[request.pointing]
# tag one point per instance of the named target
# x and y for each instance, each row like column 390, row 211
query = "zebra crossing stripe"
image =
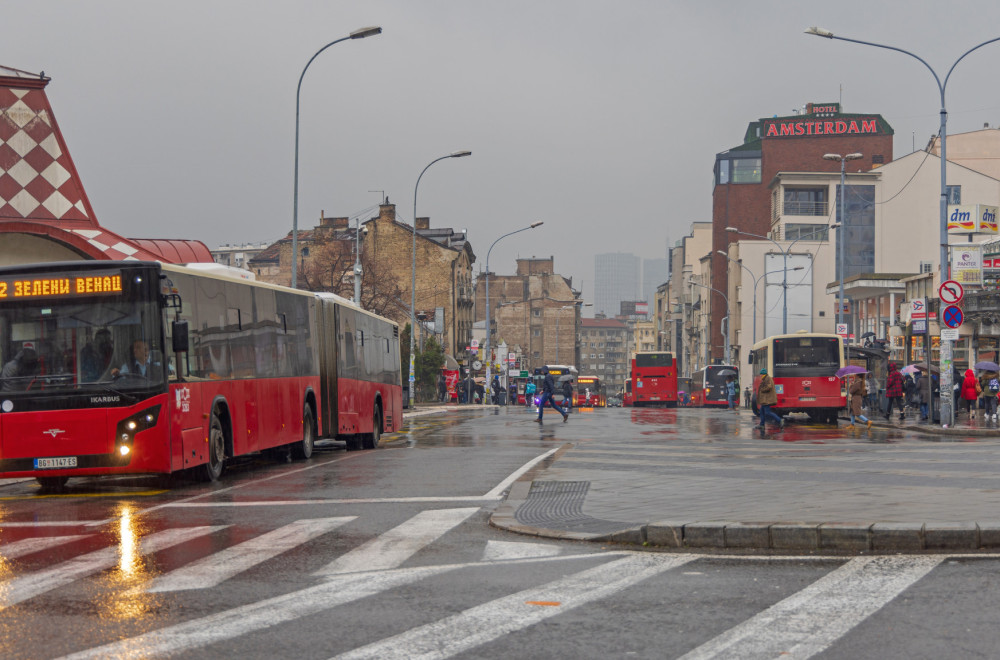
column 39, row 582
column 221, row 566
column 808, row 622
column 490, row 621
column 29, row 546
column 392, row 548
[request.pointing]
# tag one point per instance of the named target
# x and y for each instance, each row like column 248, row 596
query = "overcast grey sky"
column 600, row 118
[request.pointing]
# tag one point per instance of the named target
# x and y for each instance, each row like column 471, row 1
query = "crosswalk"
column 800, row 625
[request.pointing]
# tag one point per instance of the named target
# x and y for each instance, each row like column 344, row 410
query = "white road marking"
column 809, row 621
column 505, row 484
column 54, row 523
column 374, row 500
column 501, row 550
column 490, row 621
column 255, row 617
column 392, row 548
column 221, row 566
column 39, row 582
column 36, row 544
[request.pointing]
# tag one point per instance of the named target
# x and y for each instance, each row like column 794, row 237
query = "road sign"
column 952, row 316
column 919, row 327
column 951, row 292
column 841, row 329
column 474, row 343
column 949, row 334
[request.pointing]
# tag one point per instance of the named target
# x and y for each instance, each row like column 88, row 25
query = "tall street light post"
column 784, row 255
column 357, row 34
column 947, row 409
column 357, row 260
column 843, row 226
column 489, row 329
column 756, row 280
column 726, row 298
column 413, row 279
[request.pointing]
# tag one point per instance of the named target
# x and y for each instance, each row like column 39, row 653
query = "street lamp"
column 489, row 330
column 413, row 279
column 357, row 34
column 843, row 225
column 756, row 280
column 726, row 319
column 784, row 255
column 579, row 304
column 947, row 411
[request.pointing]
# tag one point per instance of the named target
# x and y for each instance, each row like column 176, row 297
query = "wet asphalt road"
column 388, row 553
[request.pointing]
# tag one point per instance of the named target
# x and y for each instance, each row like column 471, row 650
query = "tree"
column 428, row 366
column 331, row 268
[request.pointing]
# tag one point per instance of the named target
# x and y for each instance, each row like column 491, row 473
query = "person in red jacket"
column 970, row 392
column 893, row 391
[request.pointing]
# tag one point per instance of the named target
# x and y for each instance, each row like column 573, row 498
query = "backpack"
column 994, row 385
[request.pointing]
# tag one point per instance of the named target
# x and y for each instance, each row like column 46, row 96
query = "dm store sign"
column 972, row 219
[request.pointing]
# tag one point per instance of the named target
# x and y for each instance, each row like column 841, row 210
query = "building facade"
column 603, row 352
column 617, row 277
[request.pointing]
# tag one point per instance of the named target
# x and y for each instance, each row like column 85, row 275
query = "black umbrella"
column 725, row 372
column 868, row 334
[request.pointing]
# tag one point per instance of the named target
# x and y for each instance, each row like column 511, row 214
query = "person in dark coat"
column 767, row 396
column 567, row 392
column 893, row 391
column 548, row 387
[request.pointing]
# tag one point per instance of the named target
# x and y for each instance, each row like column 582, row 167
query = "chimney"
column 341, row 223
column 423, row 223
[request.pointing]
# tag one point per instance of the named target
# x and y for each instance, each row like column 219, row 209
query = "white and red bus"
column 149, row 368
column 654, row 379
column 590, row 392
column 804, row 368
column 708, row 385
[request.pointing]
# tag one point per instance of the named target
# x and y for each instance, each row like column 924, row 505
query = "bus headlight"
column 129, row 427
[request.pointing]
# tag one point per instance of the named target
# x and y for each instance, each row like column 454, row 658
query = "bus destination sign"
column 70, row 286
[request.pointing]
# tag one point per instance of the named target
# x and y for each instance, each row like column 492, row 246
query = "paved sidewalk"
column 709, row 481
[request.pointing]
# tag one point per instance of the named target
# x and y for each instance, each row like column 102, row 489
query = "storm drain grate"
column 559, row 505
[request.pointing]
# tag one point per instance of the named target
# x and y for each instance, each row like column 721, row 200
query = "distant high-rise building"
column 654, row 273
column 616, row 278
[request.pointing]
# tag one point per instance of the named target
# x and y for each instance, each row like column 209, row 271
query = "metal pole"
column 840, row 239
column 357, row 34
column 357, row 262
column 947, row 395
column 413, row 264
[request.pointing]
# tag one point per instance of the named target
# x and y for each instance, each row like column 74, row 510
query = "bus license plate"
column 807, row 398
column 51, row 463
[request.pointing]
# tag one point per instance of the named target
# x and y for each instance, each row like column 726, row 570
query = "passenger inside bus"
column 95, row 359
column 19, row 373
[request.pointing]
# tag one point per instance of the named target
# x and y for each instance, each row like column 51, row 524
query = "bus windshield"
column 52, row 346
column 806, row 356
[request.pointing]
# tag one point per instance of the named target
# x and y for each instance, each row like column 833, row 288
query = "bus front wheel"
column 212, row 469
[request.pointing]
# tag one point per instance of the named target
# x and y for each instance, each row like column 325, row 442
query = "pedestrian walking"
column 923, row 395
column 767, row 396
column 529, row 393
column 732, row 392
column 857, row 391
column 970, row 392
column 548, row 387
column 442, row 388
column 893, row 392
column 989, row 384
column 746, row 397
column 871, row 392
column 567, row 392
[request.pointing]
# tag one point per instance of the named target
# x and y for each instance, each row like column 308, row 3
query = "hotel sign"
column 799, row 127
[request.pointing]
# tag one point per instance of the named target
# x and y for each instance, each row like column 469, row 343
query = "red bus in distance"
column 150, row 368
column 590, row 392
column 654, row 379
column 708, row 385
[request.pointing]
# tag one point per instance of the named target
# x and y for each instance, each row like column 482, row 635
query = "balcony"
column 803, row 207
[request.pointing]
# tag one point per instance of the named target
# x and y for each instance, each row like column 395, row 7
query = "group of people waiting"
column 980, row 392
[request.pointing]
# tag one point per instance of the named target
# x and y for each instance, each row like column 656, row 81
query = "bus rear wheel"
column 372, row 440
column 304, row 448
column 212, row 469
column 52, row 484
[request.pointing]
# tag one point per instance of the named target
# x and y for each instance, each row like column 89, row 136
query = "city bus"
column 151, row 368
column 560, row 373
column 708, row 385
column 804, row 368
column 590, row 392
column 654, row 379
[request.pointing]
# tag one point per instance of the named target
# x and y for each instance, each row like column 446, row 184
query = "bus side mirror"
column 179, row 330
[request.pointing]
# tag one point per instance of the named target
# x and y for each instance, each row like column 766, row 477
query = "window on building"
column 954, row 194
column 859, row 230
column 794, row 231
column 536, row 355
column 305, row 251
column 536, row 332
column 746, row 170
column 723, row 175
column 805, row 201
column 601, row 356
column 926, row 266
column 536, row 313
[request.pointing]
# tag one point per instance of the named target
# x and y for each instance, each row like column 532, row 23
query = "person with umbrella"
column 857, row 392
column 989, row 387
column 732, row 390
column 767, row 396
column 894, row 391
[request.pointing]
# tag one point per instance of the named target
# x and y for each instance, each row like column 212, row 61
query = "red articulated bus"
column 590, row 392
column 148, row 368
column 708, row 385
column 804, row 368
column 654, row 379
